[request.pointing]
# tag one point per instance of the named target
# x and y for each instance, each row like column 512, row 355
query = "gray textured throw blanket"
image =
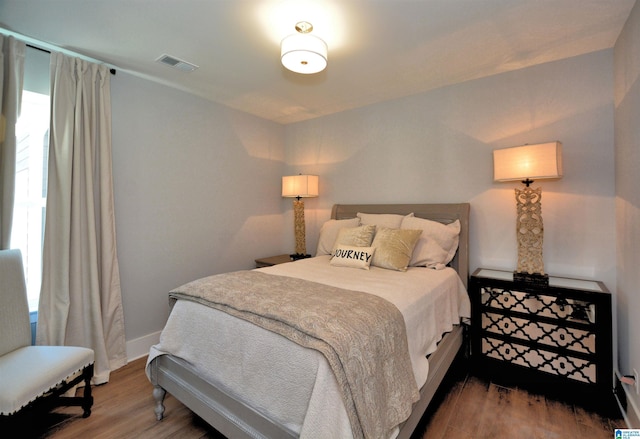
column 362, row 336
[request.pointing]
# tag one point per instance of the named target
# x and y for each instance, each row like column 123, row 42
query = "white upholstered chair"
column 34, row 375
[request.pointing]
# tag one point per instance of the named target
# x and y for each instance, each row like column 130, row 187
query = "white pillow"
column 388, row 220
column 437, row 244
column 329, row 233
column 354, row 257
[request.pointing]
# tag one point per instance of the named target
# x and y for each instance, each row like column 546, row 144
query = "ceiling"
column 378, row 49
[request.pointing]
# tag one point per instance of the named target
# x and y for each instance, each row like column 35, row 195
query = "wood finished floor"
column 469, row 408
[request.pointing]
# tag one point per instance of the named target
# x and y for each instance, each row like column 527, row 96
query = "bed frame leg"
column 159, row 394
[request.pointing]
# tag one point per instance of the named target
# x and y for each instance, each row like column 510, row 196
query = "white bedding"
column 261, row 368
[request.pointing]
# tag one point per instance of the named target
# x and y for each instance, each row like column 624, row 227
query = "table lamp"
column 528, row 163
column 298, row 187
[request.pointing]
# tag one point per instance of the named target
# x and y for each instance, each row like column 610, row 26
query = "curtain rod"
column 41, row 49
column 46, row 47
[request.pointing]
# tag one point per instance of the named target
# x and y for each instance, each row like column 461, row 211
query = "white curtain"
column 11, row 81
column 80, row 299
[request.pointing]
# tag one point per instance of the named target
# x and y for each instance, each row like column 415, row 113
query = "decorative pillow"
column 438, row 243
column 394, row 247
column 389, row 220
column 360, row 236
column 354, row 257
column 329, row 233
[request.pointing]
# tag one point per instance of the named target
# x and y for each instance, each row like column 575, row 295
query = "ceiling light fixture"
column 302, row 52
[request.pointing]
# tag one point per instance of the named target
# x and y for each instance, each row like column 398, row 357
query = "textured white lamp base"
column 299, row 230
column 530, row 233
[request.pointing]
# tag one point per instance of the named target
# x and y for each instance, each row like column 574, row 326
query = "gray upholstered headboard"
column 444, row 213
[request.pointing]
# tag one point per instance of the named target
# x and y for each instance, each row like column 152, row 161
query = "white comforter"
column 294, row 386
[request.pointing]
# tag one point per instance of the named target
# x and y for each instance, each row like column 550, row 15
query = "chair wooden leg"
column 87, row 401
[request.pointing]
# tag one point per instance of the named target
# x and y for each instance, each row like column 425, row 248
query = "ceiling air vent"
column 176, row 63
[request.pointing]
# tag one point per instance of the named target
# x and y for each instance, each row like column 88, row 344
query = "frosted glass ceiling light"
column 302, row 52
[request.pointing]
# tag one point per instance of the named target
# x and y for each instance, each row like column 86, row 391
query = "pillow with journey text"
column 354, row 257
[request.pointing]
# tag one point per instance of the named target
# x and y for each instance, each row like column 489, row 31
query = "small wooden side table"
column 272, row 260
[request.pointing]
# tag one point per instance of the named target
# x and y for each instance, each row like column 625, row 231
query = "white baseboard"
column 625, row 399
column 139, row 347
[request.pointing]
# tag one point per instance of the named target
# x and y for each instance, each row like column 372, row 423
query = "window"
column 32, row 132
column 27, row 232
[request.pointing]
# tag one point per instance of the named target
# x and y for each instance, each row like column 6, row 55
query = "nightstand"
column 555, row 339
column 272, row 260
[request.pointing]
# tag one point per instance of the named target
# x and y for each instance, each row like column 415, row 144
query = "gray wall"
column 436, row 147
column 627, row 160
column 197, row 192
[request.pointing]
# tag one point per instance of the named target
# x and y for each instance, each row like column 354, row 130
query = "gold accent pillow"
column 394, row 248
column 360, row 236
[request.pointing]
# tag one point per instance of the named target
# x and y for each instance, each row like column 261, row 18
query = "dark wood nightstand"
column 272, row 260
column 554, row 339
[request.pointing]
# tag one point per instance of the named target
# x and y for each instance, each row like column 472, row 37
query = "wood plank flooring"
column 468, row 408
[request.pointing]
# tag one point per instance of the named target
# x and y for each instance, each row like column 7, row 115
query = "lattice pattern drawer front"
column 545, row 333
column 556, row 364
column 539, row 304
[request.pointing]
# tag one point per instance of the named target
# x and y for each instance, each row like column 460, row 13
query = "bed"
column 250, row 382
